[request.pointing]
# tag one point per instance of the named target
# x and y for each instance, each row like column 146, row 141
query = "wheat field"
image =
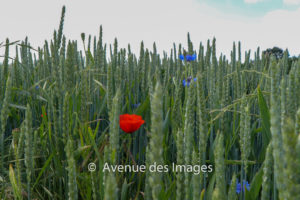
column 61, row 107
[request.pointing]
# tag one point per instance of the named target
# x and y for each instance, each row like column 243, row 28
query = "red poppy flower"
column 43, row 115
column 130, row 123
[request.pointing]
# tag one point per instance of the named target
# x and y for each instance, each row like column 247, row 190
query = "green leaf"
column 166, row 122
column 18, row 106
column 264, row 114
column 210, row 189
column 202, row 194
column 12, row 43
column 92, row 141
column 90, row 56
column 100, row 84
column 43, row 169
column 255, row 185
column 170, row 190
column 144, row 107
column 265, row 117
column 124, row 190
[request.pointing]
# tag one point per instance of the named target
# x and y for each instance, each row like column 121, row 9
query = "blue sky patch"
column 240, row 7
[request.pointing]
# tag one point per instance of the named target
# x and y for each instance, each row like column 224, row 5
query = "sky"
column 263, row 23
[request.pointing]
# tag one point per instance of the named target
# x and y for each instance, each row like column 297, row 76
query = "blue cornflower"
column 239, row 186
column 188, row 58
column 37, row 87
column 187, row 82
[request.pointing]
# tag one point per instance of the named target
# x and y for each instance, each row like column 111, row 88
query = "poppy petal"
column 130, row 123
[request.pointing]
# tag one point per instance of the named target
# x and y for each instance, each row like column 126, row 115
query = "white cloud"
column 291, row 2
column 163, row 22
column 252, row 1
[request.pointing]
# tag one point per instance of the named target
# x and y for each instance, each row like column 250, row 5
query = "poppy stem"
column 128, row 150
